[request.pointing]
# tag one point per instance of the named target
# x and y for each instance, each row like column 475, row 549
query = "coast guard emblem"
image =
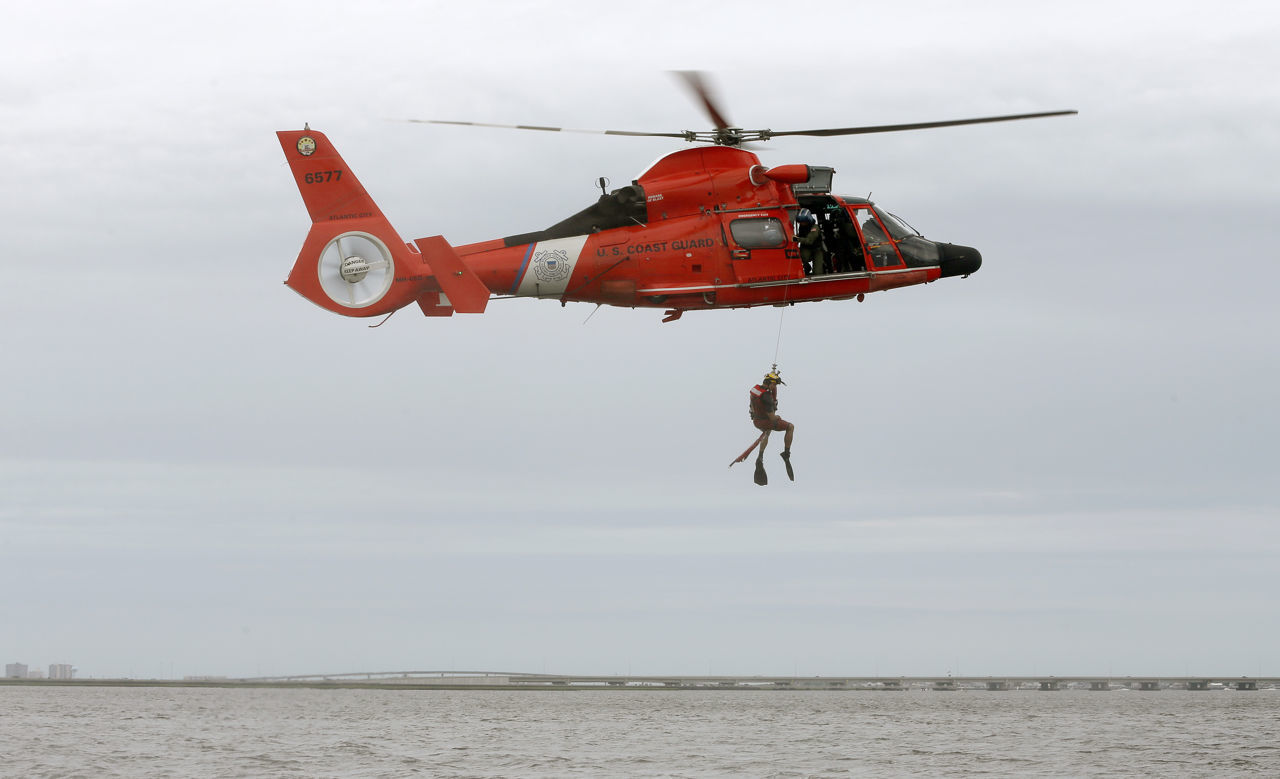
column 306, row 146
column 551, row 266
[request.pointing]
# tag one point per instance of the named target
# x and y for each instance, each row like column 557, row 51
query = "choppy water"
column 151, row 732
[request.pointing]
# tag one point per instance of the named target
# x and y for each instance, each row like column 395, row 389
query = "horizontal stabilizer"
column 466, row 292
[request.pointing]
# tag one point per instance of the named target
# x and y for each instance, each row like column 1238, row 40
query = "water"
column 216, row 732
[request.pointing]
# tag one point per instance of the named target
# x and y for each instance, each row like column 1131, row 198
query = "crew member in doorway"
column 764, row 415
column 812, row 253
column 848, row 248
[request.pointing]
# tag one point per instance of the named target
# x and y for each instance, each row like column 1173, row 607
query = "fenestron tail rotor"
column 356, row 269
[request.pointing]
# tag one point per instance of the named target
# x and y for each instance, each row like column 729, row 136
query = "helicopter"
column 703, row 228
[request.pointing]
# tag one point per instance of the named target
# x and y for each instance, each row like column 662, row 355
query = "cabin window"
column 758, row 233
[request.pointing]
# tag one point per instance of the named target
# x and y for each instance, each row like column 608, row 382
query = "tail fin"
column 353, row 262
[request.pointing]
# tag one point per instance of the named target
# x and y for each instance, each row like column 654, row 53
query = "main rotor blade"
column 549, row 129
column 696, row 84
column 893, row 128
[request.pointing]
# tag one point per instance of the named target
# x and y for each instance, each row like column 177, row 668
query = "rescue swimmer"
column 764, row 415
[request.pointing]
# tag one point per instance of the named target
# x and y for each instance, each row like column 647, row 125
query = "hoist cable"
column 778, row 346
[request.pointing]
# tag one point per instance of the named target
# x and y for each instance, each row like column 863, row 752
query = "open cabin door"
column 850, row 238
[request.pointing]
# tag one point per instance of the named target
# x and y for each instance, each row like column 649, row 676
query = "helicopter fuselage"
column 703, row 228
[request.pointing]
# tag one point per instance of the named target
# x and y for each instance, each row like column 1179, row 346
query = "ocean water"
column 219, row 732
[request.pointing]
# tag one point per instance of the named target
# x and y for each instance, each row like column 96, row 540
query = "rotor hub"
column 354, row 269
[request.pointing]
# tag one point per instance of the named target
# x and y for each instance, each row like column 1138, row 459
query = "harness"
column 764, row 401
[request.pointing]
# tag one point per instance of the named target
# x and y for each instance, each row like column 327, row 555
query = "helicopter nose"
column 959, row 260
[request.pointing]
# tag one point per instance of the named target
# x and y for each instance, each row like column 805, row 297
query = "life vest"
column 764, row 401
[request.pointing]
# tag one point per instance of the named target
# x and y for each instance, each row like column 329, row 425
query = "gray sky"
column 1064, row 464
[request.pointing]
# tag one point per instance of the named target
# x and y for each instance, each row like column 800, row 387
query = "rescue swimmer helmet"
column 773, row 376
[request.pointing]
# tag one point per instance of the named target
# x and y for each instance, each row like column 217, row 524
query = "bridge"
column 516, row 680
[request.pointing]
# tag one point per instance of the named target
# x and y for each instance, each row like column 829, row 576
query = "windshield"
column 896, row 227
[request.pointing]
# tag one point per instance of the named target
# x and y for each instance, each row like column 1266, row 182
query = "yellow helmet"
column 773, row 376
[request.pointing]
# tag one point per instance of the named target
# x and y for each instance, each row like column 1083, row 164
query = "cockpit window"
column 879, row 246
column 896, row 227
column 758, row 233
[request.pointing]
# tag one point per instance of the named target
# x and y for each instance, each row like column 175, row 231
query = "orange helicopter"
column 704, row 228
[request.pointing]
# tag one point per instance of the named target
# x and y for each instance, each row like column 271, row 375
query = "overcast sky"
column 1064, row 464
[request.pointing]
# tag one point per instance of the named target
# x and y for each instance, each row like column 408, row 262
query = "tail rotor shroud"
column 356, row 269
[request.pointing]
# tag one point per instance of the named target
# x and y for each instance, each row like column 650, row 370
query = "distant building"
column 15, row 671
column 35, row 673
column 61, row 671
